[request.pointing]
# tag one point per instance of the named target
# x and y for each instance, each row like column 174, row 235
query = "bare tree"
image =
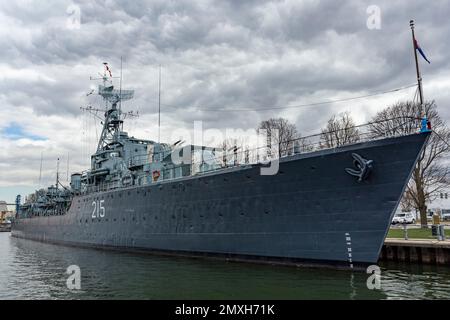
column 287, row 133
column 430, row 175
column 340, row 130
column 407, row 203
column 401, row 118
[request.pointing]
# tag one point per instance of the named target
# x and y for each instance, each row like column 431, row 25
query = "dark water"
column 31, row 270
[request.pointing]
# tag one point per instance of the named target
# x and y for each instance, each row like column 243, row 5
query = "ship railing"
column 327, row 139
column 101, row 187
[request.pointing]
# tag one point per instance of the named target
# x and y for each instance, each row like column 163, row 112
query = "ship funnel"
column 75, row 182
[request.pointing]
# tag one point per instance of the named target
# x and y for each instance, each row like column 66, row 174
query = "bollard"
column 405, row 229
column 441, row 232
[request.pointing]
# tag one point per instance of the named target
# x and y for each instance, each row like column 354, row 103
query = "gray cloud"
column 214, row 55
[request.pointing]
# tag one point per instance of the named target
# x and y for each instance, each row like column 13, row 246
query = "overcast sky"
column 215, row 55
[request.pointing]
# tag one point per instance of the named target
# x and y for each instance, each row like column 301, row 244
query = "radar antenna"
column 113, row 115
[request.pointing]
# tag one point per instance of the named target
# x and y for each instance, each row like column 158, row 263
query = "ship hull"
column 312, row 211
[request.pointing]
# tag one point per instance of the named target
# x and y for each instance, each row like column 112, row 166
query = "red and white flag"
column 107, row 68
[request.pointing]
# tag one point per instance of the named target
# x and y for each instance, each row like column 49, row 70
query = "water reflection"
column 31, row 270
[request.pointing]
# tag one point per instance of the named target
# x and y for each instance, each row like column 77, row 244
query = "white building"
column 4, row 212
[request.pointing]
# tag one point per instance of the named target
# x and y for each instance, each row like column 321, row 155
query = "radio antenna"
column 40, row 171
column 68, row 155
column 57, row 174
column 120, row 86
column 159, row 107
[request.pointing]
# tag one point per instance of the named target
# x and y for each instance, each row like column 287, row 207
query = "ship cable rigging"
column 376, row 93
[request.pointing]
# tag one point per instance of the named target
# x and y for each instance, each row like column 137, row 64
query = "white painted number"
column 102, row 208
column 94, row 204
column 99, row 209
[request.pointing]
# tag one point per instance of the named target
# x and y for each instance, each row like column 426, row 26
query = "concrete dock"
column 416, row 251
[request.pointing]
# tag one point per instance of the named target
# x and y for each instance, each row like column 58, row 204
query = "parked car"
column 445, row 214
column 403, row 217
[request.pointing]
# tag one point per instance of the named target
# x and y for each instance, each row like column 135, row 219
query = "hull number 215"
column 99, row 209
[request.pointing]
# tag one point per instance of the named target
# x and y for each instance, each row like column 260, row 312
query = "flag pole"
column 419, row 78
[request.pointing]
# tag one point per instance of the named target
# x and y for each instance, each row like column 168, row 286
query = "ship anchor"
column 363, row 167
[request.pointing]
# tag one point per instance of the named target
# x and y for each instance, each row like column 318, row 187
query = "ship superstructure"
column 123, row 161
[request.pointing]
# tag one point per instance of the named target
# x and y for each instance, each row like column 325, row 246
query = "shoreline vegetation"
column 418, row 233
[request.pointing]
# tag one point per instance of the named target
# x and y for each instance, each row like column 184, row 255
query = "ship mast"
column 419, row 77
column 113, row 116
column 57, row 174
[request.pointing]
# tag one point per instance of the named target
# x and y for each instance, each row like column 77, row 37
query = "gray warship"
column 327, row 205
